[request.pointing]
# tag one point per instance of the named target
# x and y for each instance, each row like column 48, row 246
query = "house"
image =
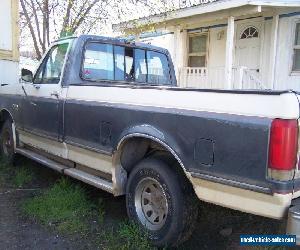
column 9, row 42
column 228, row 44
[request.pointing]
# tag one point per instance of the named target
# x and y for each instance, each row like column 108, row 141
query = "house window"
column 197, row 55
column 296, row 61
column 250, row 32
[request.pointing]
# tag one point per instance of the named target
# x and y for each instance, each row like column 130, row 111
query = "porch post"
column 229, row 53
column 273, row 51
column 181, row 55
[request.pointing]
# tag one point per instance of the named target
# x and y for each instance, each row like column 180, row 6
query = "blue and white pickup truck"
column 109, row 113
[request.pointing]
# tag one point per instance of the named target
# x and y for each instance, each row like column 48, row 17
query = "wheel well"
column 135, row 149
column 4, row 115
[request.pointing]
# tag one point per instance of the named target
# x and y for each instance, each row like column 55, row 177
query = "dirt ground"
column 217, row 228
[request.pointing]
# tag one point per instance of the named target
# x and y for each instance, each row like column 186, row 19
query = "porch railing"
column 193, row 77
column 213, row 78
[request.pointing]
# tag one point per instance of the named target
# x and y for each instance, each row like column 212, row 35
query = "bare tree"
column 50, row 19
column 47, row 20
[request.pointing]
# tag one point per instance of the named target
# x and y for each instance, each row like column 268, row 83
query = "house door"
column 247, row 56
column 248, row 46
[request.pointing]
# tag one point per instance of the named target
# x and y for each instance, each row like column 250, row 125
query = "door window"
column 51, row 68
column 250, row 32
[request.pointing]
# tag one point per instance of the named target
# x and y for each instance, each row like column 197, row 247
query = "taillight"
column 283, row 144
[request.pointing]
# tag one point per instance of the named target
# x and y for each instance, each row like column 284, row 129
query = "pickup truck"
column 109, row 113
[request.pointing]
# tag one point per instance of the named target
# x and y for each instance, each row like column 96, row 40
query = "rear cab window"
column 116, row 63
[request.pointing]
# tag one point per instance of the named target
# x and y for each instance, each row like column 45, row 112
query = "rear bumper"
column 293, row 223
column 273, row 206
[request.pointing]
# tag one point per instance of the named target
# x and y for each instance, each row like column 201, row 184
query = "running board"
column 42, row 160
column 72, row 172
column 89, row 179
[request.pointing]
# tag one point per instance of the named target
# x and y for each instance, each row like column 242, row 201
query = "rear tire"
column 7, row 148
column 160, row 202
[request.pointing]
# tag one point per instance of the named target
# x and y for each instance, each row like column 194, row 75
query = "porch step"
column 89, row 179
column 72, row 172
column 42, row 160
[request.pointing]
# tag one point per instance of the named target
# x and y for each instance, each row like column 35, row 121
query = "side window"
column 98, row 62
column 158, row 68
column 51, row 68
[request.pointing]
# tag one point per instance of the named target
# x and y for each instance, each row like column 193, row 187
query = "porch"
column 238, row 52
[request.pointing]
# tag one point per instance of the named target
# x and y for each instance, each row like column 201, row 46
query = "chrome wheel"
column 151, row 204
column 7, row 143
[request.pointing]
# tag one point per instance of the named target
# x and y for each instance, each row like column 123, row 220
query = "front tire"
column 160, row 202
column 7, row 148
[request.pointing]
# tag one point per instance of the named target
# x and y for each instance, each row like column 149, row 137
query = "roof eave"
column 181, row 13
column 198, row 10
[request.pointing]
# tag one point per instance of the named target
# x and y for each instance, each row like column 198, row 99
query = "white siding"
column 9, row 68
column 216, row 56
column 266, row 52
column 284, row 79
column 9, row 72
column 165, row 41
column 5, row 25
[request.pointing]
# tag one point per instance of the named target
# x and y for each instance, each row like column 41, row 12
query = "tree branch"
column 36, row 47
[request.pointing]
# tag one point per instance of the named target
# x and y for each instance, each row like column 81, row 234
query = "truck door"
column 43, row 102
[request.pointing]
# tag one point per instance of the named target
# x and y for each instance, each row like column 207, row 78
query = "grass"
column 4, row 171
column 128, row 236
column 65, row 205
column 22, row 177
column 17, row 176
column 100, row 211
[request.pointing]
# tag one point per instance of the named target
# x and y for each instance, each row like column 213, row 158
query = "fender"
column 13, row 125
column 152, row 133
column 119, row 174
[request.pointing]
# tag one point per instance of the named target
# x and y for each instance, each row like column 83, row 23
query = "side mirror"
column 26, row 75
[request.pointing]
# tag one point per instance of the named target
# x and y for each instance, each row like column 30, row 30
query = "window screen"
column 197, row 50
column 296, row 64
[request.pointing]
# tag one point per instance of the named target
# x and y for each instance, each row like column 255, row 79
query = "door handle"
column 55, row 93
column 36, row 86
